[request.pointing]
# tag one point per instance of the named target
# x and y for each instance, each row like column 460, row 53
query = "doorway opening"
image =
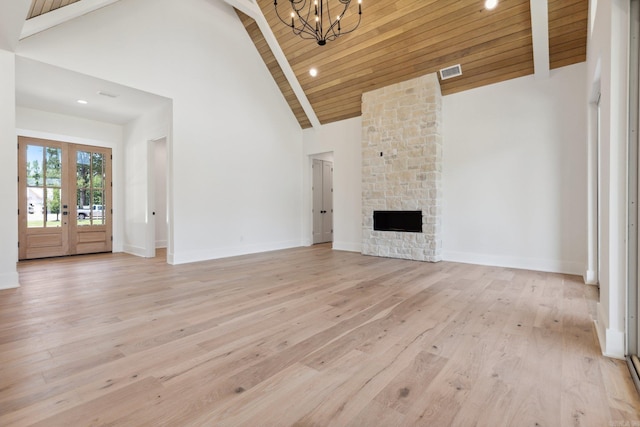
column 322, row 198
column 157, row 197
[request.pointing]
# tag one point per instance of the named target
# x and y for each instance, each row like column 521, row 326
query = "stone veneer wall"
column 402, row 166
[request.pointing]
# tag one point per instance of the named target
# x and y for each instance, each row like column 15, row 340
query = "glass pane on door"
column 44, row 182
column 97, row 170
column 83, row 166
column 83, row 203
column 90, row 184
column 35, row 173
column 98, row 209
column 83, row 184
column 53, row 212
column 54, row 167
column 35, row 207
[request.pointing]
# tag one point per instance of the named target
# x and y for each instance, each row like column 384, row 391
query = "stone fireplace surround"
column 402, row 166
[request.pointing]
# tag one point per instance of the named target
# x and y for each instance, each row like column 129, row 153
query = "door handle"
column 65, row 213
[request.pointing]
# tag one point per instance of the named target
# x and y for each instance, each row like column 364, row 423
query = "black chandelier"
column 311, row 19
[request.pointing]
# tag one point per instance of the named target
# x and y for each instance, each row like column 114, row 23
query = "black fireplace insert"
column 407, row 221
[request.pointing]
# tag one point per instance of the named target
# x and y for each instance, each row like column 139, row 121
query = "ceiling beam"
column 540, row 36
column 250, row 8
column 60, row 15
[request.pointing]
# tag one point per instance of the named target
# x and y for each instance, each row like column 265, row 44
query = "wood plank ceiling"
column 404, row 39
column 40, row 7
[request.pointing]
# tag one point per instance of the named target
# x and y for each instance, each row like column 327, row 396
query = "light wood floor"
column 307, row 337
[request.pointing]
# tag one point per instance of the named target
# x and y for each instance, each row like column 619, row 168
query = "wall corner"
column 9, row 280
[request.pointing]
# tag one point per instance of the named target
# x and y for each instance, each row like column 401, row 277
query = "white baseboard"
column 161, row 244
column 195, row 256
column 135, row 250
column 611, row 341
column 589, row 277
column 347, row 246
column 548, row 265
column 9, row 280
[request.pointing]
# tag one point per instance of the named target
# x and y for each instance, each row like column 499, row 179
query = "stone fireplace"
column 402, row 167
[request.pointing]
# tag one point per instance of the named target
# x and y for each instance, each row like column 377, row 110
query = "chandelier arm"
column 275, row 6
column 331, row 23
column 305, row 29
column 331, row 34
column 312, row 26
column 299, row 6
column 353, row 29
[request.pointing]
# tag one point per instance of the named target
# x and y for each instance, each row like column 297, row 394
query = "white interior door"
column 317, row 201
column 322, row 192
column 327, row 201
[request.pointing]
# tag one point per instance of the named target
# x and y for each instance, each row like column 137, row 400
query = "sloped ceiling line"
column 251, row 9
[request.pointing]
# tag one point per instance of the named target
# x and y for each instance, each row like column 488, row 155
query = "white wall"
column 515, row 172
column 12, row 16
column 8, row 173
column 343, row 139
column 138, row 229
column 607, row 69
column 60, row 127
column 235, row 147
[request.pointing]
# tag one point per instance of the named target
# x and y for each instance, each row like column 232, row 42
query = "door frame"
column 326, row 156
column 633, row 233
column 117, row 173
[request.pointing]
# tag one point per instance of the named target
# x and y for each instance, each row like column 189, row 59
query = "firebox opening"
column 405, row 221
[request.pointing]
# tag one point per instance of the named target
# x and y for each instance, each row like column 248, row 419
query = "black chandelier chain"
column 311, row 19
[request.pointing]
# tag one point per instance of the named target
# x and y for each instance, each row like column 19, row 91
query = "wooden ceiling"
column 404, row 39
column 40, row 7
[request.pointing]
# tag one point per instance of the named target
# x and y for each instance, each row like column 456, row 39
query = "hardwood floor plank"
column 306, row 337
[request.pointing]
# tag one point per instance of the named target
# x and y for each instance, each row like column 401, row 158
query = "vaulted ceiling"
column 403, row 39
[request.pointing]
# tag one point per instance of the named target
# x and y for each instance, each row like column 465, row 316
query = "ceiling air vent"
column 449, row 72
column 107, row 94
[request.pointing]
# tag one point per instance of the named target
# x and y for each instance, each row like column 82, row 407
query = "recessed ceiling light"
column 81, row 101
column 313, row 72
column 490, row 4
